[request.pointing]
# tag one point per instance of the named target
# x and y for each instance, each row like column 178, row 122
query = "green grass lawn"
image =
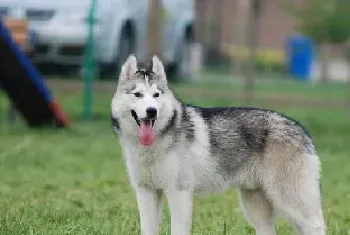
column 74, row 181
column 283, row 87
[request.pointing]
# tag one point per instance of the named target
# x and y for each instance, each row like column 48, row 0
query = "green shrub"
column 267, row 60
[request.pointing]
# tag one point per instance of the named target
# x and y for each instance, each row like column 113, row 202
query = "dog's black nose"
column 151, row 112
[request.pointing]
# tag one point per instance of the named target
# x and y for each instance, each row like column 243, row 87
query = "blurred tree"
column 252, row 44
column 325, row 21
column 155, row 27
column 239, row 35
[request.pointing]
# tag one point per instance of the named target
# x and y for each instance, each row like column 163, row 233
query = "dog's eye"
column 156, row 95
column 138, row 94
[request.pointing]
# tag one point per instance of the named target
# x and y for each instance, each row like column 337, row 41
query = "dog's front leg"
column 150, row 209
column 180, row 205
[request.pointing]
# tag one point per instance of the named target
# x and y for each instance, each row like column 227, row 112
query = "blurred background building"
column 222, row 28
column 219, row 21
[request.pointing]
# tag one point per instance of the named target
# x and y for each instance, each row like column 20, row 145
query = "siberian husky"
column 174, row 150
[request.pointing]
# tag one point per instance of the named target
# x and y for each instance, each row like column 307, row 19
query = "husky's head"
column 143, row 102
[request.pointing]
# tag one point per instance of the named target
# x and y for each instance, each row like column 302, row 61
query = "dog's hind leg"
column 296, row 193
column 258, row 211
column 303, row 210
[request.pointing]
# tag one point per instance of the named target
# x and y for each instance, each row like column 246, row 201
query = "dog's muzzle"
column 151, row 116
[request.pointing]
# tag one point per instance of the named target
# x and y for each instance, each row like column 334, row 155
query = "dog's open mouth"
column 146, row 134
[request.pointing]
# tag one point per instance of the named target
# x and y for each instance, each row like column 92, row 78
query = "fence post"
column 89, row 63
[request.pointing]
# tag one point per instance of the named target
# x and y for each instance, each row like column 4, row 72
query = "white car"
column 121, row 29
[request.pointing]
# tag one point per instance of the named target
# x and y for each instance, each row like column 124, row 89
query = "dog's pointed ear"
column 129, row 68
column 157, row 67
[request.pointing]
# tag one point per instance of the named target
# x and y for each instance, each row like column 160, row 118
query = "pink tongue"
column 146, row 133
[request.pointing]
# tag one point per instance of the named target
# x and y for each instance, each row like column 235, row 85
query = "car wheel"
column 183, row 68
column 125, row 48
column 180, row 70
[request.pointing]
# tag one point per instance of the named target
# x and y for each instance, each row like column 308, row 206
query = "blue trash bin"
column 300, row 55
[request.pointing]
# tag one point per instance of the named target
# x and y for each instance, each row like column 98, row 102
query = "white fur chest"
column 152, row 167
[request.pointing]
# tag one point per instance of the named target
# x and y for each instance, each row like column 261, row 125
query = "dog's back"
column 240, row 133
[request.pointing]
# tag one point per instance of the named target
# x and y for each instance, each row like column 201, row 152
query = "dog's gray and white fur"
column 269, row 157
